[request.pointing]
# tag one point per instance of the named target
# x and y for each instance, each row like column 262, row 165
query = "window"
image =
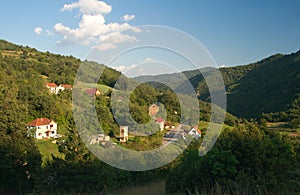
column 52, row 132
column 40, row 134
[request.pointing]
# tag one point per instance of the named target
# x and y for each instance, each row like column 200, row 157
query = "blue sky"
column 234, row 32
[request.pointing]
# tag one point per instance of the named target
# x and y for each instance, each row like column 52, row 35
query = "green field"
column 102, row 88
column 204, row 124
column 47, row 148
column 283, row 128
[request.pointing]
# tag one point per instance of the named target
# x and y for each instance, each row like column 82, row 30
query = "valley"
column 258, row 145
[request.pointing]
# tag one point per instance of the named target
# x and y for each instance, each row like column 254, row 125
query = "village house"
column 53, row 88
column 93, row 92
column 63, row 87
column 161, row 123
column 66, row 86
column 99, row 139
column 195, row 132
column 153, row 110
column 59, row 89
column 123, row 134
column 42, row 128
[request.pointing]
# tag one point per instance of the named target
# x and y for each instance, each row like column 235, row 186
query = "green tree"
column 295, row 113
column 73, row 147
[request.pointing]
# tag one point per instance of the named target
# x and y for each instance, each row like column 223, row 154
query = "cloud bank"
column 92, row 28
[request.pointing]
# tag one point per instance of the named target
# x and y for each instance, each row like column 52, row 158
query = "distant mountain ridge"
column 269, row 85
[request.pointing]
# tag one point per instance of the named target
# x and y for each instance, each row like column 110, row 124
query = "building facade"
column 42, row 128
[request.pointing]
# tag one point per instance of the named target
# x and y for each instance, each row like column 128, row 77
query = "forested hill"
column 24, row 71
column 56, row 68
column 270, row 85
column 23, row 95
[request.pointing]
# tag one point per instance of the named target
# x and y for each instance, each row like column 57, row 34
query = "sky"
column 230, row 32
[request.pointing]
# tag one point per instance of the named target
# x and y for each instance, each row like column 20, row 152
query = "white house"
column 59, row 89
column 195, row 132
column 53, row 88
column 42, row 128
column 63, row 87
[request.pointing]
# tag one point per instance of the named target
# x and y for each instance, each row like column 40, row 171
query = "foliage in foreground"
column 245, row 160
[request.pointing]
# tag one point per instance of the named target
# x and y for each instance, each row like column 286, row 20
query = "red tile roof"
column 159, row 120
column 294, row 135
column 197, row 129
column 66, row 86
column 39, row 122
column 51, row 85
column 92, row 91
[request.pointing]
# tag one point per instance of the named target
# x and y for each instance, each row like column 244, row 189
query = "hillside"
column 269, row 85
column 24, row 96
column 24, row 71
column 65, row 164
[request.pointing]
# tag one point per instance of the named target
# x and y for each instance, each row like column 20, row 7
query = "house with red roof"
column 195, row 132
column 63, row 87
column 93, row 92
column 67, row 86
column 42, row 128
column 52, row 87
column 161, row 123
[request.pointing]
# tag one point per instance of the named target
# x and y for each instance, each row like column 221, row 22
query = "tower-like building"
column 123, row 134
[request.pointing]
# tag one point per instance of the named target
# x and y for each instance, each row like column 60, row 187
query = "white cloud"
column 148, row 59
column 92, row 28
column 90, row 25
column 61, row 29
column 127, row 17
column 117, row 37
column 38, row 30
column 105, row 46
column 70, row 7
column 123, row 68
column 89, row 7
